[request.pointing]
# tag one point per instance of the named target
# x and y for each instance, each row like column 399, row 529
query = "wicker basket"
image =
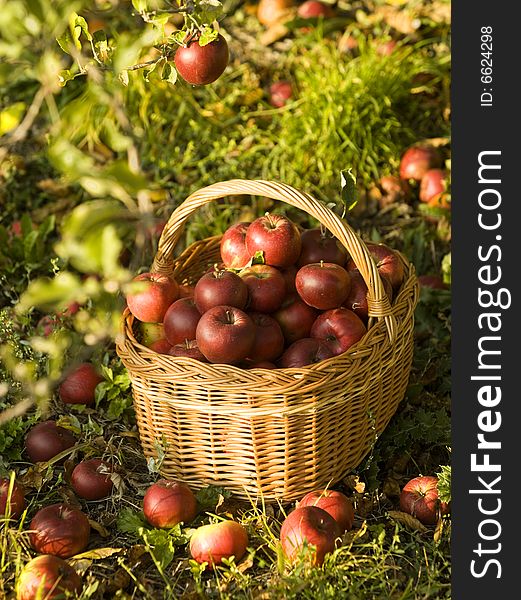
column 275, row 434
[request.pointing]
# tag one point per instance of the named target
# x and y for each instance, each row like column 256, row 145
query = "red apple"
column 417, row 160
column 47, row 577
column 270, row 12
column 277, row 237
column 434, row 282
column 161, row 346
column 311, row 526
column 233, row 246
column 419, row 498
column 47, row 325
column 305, row 351
column 266, row 288
column 393, row 189
column 388, row 264
column 188, row 348
column 225, row 334
column 279, row 93
column 180, row 321
column 151, row 304
column 79, row 386
column 323, row 285
column 60, row 530
column 167, row 503
column 186, row 291
column 201, row 65
column 218, row 288
column 320, row 245
column 357, row 298
column 212, row 543
column 289, row 274
column 312, row 9
column 16, row 500
column 338, row 505
column 45, row 440
column 295, row 318
column 339, row 329
column 91, row 480
column 386, row 48
column 269, row 340
column 432, row 184
column 263, row 364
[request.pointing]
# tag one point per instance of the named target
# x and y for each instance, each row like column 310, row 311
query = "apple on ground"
column 167, row 503
column 225, row 334
column 266, row 288
column 417, row 160
column 393, row 190
column 280, row 92
column 180, row 321
column 233, row 246
column 339, row 329
column 323, row 285
column 320, row 245
column 48, row 577
column 419, row 498
column 277, row 237
column 295, row 318
column 79, row 386
column 305, row 351
column 309, row 526
column 312, row 9
column 347, row 43
column 60, row 530
column 270, row 12
column 432, row 184
column 386, row 47
column 150, row 304
column 189, row 349
column 201, row 65
column 211, row 543
column 91, row 479
column 219, row 288
column 338, row 505
column 268, row 343
column 16, row 500
column 45, row 440
column 434, row 282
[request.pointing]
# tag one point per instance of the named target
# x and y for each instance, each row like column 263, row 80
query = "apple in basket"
column 319, row 244
column 268, row 343
column 339, row 328
column 338, row 505
column 323, row 285
column 305, row 351
column 189, row 349
column 151, row 303
column 218, row 288
column 311, row 527
column 357, row 298
column 180, row 321
column 295, row 318
column 233, row 246
column 387, row 262
column 211, row 543
column 266, row 288
column 277, row 237
column 167, row 503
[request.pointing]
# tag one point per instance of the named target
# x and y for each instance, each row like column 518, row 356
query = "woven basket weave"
column 272, row 433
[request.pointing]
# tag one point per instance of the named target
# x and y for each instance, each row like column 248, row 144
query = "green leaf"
column 210, row 496
column 208, row 35
column 140, row 5
column 169, row 74
column 348, row 190
column 209, row 11
column 11, row 116
column 49, row 293
column 131, row 522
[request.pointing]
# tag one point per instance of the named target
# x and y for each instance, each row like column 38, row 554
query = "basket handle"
column 378, row 302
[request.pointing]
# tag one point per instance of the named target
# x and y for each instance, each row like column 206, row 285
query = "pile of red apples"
column 281, row 297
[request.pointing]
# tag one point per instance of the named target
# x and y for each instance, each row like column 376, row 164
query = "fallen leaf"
column 103, row 531
column 97, row 553
column 408, row 520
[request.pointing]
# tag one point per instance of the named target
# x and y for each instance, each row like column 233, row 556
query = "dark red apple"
column 320, row 245
column 186, row 291
column 289, row 274
column 311, row 9
column 180, row 321
column 16, row 500
column 233, row 246
column 338, row 505
column 279, row 93
column 60, row 530
column 277, row 237
column 263, row 364
column 339, row 329
column 201, row 65
column 151, row 304
column 357, row 298
column 161, row 346
column 305, row 351
column 417, row 160
column 323, row 285
column 167, row 503
column 79, row 386
column 419, row 498
column 266, row 288
column 295, row 318
column 311, row 526
column 45, row 440
column 212, row 543
column 188, row 348
column 432, row 184
column 91, row 480
column 269, row 339
column 434, row 282
column 219, row 288
column 388, row 264
column 225, row 334
column 48, row 577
